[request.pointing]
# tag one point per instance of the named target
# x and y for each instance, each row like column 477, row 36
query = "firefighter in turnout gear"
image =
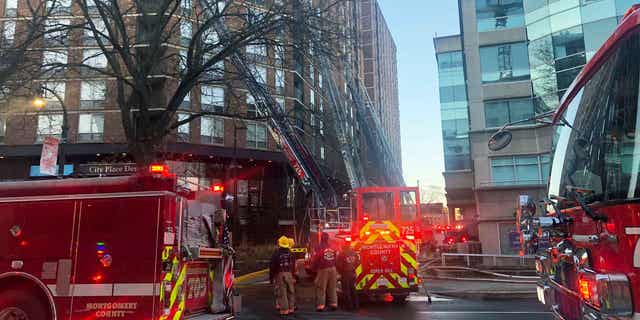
column 281, row 272
column 348, row 261
column 324, row 263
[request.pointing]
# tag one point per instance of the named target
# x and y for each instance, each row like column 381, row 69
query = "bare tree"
column 158, row 51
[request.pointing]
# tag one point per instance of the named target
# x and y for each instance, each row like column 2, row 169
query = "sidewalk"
column 485, row 290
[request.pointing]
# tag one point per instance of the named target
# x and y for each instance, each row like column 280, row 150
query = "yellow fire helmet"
column 292, row 242
column 283, row 242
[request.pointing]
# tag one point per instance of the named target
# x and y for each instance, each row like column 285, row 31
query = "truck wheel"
column 20, row 305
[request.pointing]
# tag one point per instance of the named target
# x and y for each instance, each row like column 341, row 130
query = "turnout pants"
column 349, row 292
column 285, row 292
column 326, row 288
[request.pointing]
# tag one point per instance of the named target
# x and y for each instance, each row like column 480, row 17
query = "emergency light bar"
column 159, row 168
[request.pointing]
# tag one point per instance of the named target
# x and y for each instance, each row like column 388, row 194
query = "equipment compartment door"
column 116, row 259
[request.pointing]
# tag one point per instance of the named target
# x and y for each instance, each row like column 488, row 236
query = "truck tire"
column 21, row 305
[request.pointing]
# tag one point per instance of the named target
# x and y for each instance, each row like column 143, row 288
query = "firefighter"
column 348, row 261
column 281, row 272
column 324, row 262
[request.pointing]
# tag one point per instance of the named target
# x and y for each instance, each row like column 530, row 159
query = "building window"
column 94, row 60
column 92, row 94
column 186, row 7
column 182, row 61
column 312, row 99
column 321, row 127
column 322, row 155
column 279, row 54
column 89, row 37
column 252, row 108
column 59, row 7
column 3, row 129
column 280, row 81
column 56, row 32
column 11, row 8
column 256, row 135
column 211, row 130
column 8, row 33
column 499, row 113
column 520, row 170
column 91, row 127
column 257, row 52
column 49, row 125
column 260, row 73
column 54, row 93
column 568, row 48
column 499, row 14
column 281, row 104
column 504, row 62
column 54, row 62
column 186, row 102
column 186, row 32
column 184, row 129
column 215, row 72
column 212, row 99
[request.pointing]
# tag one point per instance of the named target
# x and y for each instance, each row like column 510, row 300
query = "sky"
column 413, row 24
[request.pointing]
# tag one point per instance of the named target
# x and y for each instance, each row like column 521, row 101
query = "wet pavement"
column 257, row 303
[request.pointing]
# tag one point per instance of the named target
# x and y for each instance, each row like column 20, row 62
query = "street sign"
column 49, row 156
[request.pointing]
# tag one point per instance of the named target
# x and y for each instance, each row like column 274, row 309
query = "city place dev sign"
column 107, row 169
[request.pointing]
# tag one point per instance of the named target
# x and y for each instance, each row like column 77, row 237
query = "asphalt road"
column 257, row 303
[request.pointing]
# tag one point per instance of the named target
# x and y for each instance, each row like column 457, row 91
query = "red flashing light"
column 410, row 237
column 584, row 286
column 464, row 239
column 365, row 218
column 448, row 228
column 217, row 188
column 347, row 239
column 388, row 298
column 159, row 169
column 458, row 227
column 367, row 232
column 97, row 277
column 24, row 243
column 450, row 240
column 611, row 227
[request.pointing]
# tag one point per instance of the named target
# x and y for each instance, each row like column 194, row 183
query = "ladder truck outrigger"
column 586, row 241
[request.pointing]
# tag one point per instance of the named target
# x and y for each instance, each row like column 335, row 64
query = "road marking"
column 425, row 299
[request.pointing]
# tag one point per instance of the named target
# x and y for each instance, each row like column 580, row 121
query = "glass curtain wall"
column 563, row 35
column 454, row 111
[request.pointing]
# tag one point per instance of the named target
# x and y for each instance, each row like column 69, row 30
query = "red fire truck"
column 587, row 240
column 386, row 234
column 133, row 247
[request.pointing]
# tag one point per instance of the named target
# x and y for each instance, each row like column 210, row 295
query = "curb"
column 487, row 295
column 249, row 276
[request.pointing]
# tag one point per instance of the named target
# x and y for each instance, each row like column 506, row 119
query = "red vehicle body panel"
column 98, row 245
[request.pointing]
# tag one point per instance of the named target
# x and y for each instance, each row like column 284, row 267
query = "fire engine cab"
column 586, row 238
column 134, row 247
column 386, row 234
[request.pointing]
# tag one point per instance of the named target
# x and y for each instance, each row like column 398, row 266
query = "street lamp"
column 40, row 103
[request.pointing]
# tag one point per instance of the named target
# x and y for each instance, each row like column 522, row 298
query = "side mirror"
column 499, row 140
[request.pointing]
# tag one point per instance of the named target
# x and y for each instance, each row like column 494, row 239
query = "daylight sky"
column 413, row 24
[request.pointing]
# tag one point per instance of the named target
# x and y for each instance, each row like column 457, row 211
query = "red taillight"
column 611, row 227
column 217, row 188
column 97, row 277
column 159, row 169
column 585, row 286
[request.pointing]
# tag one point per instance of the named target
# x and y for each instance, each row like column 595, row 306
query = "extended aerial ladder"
column 300, row 158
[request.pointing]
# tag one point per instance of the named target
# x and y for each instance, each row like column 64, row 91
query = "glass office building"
column 563, row 35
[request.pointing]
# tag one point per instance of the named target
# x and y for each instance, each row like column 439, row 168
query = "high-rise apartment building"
column 380, row 70
column 513, row 59
column 211, row 148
